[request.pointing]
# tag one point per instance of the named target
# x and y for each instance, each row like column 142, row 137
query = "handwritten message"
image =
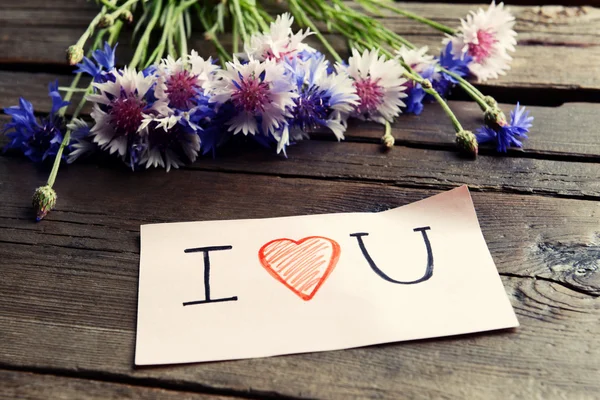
column 221, row 290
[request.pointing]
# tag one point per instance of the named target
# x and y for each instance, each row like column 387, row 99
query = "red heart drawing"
column 301, row 265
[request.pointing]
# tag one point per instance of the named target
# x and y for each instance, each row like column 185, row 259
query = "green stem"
column 122, row 8
column 240, row 20
column 143, row 43
column 236, row 38
column 108, row 4
column 187, row 4
column 426, row 21
column 90, row 29
column 82, row 102
column 457, row 126
column 67, row 136
column 58, row 158
column 68, row 89
column 478, row 99
column 426, row 85
column 258, row 17
column 463, row 81
column 157, row 54
column 212, row 36
column 266, row 16
column 171, row 44
column 471, row 90
column 115, row 30
column 69, row 93
column 387, row 139
column 394, row 37
column 308, row 22
column 182, row 38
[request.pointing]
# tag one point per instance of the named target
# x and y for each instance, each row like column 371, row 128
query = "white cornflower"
column 260, row 93
column 486, row 36
column 418, row 59
column 168, row 144
column 278, row 42
column 120, row 107
column 379, row 85
column 181, row 82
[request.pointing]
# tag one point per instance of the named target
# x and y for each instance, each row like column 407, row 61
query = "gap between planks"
column 34, row 383
column 365, row 162
column 37, row 381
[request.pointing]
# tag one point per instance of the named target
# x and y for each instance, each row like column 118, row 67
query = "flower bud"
column 426, row 84
column 388, row 141
column 126, row 16
column 490, row 101
column 74, row 54
column 106, row 21
column 467, row 143
column 44, row 200
column 495, row 118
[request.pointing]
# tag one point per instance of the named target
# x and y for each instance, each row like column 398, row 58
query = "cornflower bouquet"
column 169, row 104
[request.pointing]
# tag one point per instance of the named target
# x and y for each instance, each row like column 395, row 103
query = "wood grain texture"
column 402, row 166
column 35, row 31
column 405, row 166
column 32, row 386
column 69, row 288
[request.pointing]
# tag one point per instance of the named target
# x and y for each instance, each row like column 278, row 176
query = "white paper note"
column 222, row 290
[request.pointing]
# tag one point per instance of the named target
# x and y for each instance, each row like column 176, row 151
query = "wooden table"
column 68, row 285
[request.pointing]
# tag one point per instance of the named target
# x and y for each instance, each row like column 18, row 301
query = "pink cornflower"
column 487, row 36
column 119, row 108
column 261, row 94
column 379, row 85
column 279, row 42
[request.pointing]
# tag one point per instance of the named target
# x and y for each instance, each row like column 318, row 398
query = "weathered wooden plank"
column 568, row 130
column 408, row 167
column 33, row 386
column 119, row 214
column 34, row 88
column 573, row 33
column 69, row 288
column 405, row 166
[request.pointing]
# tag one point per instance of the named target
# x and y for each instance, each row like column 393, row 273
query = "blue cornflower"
column 81, row 142
column 443, row 82
column 210, row 120
column 165, row 144
column 149, row 70
column 414, row 101
column 424, row 65
column 460, row 66
column 105, row 62
column 36, row 139
column 324, row 100
column 506, row 135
